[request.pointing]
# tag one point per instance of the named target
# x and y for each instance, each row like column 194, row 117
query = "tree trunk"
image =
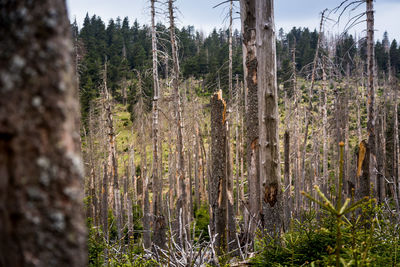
column 145, row 195
column 310, row 106
column 237, row 147
column 218, row 181
column 158, row 216
column 248, row 18
column 396, row 149
column 115, row 200
column 41, row 211
column 325, row 177
column 132, row 193
column 297, row 153
column 367, row 177
column 230, row 77
column 182, row 199
column 230, row 201
column 268, row 118
column 287, row 178
column 196, row 167
column 104, row 205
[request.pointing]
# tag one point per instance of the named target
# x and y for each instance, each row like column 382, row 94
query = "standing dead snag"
column 115, row 199
column 231, row 210
column 218, row 181
column 159, row 220
column 362, row 182
column 104, row 202
column 287, row 180
column 182, row 199
column 248, row 18
column 396, row 151
column 41, row 211
column 268, row 118
column 369, row 170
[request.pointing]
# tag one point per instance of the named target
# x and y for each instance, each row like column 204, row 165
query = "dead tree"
column 231, row 209
column 141, row 121
column 197, row 170
column 324, row 99
column 230, row 52
column 248, row 18
column 115, row 195
column 41, row 196
column 218, row 181
column 310, row 106
column 159, row 220
column 237, row 147
column 104, row 202
column 268, row 117
column 297, row 97
column 396, row 151
column 182, row 199
column 287, row 180
column 367, row 174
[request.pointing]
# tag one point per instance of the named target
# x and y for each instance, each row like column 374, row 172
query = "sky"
column 202, row 15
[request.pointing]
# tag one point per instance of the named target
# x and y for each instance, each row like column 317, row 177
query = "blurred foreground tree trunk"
column 41, row 213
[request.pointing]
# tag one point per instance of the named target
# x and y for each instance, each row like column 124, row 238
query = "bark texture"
column 268, row 118
column 218, row 181
column 248, row 18
column 41, row 213
column 369, row 175
column 159, row 220
column 182, row 199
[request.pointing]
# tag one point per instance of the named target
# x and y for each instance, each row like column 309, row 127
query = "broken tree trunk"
column 218, row 181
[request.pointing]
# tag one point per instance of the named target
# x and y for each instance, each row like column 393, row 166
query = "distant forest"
column 127, row 47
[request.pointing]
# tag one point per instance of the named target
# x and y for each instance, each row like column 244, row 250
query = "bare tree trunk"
column 182, row 200
column 396, row 151
column 92, row 182
column 104, row 205
column 310, row 106
column 146, row 204
column 158, row 217
column 134, row 194
column 112, row 156
column 190, row 186
column 203, row 168
column 287, row 179
column 171, row 171
column 248, row 17
column 197, row 166
column 237, row 147
column 231, row 210
column 346, row 163
column 367, row 177
column 41, row 170
column 230, row 201
column 218, row 181
column 268, row 118
column 297, row 175
column 383, row 140
column 230, row 53
column 324, row 101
